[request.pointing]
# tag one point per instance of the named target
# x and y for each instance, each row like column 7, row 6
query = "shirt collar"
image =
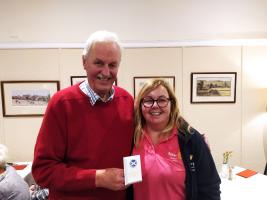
column 173, row 133
column 94, row 97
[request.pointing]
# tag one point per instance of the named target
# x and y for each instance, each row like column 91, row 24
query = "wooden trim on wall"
column 138, row 44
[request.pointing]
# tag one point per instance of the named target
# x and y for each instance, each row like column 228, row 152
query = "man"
column 87, row 130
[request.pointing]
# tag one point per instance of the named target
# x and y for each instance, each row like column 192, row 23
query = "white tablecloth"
column 254, row 187
column 26, row 172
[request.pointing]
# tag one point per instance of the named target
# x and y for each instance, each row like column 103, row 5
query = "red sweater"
column 77, row 138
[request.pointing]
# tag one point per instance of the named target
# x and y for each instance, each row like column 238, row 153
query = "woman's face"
column 156, row 108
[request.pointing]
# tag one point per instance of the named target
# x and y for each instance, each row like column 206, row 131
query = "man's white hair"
column 100, row 36
column 3, row 155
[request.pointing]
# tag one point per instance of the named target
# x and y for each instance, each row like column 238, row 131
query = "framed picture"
column 77, row 79
column 26, row 98
column 140, row 81
column 213, row 87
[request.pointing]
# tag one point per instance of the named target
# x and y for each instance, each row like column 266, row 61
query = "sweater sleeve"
column 50, row 166
column 208, row 180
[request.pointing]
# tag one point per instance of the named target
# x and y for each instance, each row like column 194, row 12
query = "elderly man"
column 87, row 130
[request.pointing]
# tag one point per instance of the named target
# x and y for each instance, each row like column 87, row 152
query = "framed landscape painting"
column 26, row 98
column 213, row 87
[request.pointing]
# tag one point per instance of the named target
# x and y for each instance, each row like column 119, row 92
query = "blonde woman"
column 176, row 161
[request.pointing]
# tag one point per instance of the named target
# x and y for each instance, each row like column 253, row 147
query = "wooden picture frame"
column 26, row 98
column 139, row 82
column 77, row 79
column 213, row 87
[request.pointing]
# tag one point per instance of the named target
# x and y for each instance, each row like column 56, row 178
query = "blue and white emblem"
column 133, row 163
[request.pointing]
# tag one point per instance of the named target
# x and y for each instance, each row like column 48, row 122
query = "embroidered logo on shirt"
column 133, row 163
column 192, row 164
column 172, row 156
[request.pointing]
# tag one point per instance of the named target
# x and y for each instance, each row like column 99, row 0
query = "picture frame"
column 78, row 79
column 139, row 81
column 27, row 98
column 213, row 87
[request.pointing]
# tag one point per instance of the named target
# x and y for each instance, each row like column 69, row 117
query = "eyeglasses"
column 161, row 102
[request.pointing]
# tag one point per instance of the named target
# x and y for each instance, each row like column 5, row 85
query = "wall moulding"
column 141, row 44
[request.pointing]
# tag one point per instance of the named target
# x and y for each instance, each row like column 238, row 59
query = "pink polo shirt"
column 162, row 169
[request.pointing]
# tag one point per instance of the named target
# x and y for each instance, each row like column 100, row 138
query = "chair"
column 265, row 171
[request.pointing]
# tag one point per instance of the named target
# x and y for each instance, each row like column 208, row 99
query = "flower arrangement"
column 226, row 156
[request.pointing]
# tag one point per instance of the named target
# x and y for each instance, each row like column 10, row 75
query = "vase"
column 225, row 170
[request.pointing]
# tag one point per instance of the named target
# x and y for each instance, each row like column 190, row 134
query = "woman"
column 176, row 162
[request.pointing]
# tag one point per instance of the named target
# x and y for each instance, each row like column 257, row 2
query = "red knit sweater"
column 76, row 138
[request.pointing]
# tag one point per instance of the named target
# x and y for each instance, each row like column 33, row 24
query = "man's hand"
column 111, row 178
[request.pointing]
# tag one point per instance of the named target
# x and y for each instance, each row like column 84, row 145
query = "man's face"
column 101, row 66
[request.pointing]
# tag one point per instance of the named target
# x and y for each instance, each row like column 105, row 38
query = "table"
column 254, row 187
column 26, row 172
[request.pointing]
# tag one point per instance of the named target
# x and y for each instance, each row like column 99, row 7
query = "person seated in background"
column 12, row 186
column 175, row 158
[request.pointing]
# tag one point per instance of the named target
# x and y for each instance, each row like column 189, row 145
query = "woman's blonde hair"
column 140, row 122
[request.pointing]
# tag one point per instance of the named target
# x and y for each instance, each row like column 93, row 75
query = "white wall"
column 223, row 131
column 238, row 127
column 133, row 20
column 254, row 102
column 18, row 133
